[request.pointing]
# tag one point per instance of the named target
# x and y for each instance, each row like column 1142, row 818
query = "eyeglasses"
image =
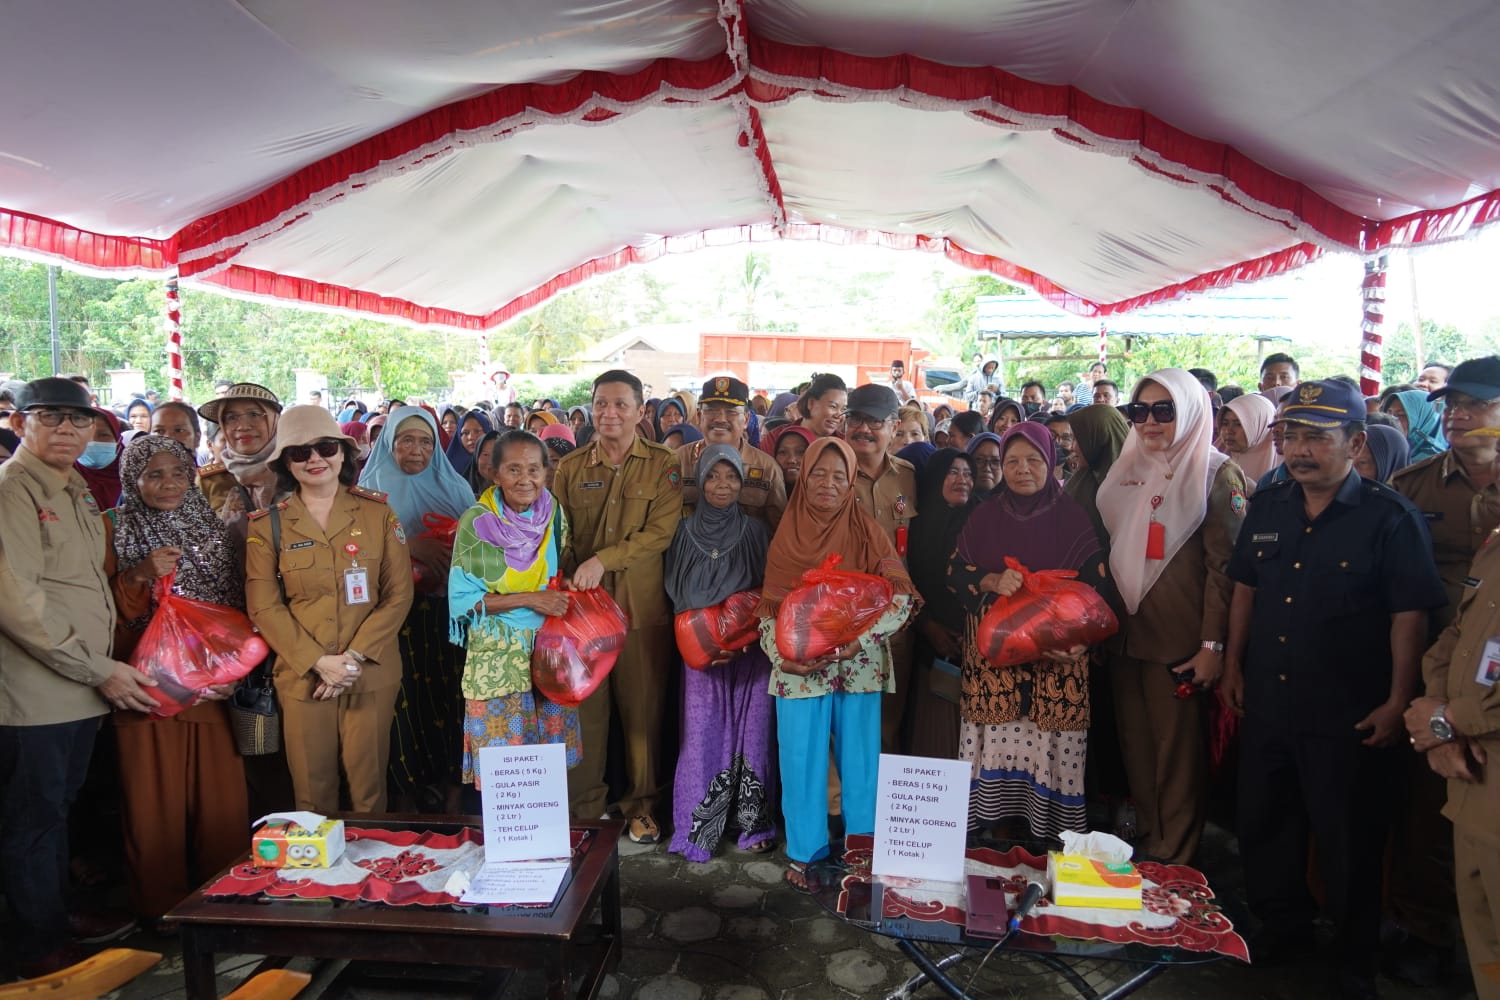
column 1460, row 403
column 299, row 453
column 1165, row 411
column 986, row 463
column 54, row 418
column 853, row 420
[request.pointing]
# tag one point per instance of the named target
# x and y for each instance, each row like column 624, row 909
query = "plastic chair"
column 94, row 976
column 275, row 984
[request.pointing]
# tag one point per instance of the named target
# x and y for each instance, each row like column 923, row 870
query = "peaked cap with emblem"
column 725, row 389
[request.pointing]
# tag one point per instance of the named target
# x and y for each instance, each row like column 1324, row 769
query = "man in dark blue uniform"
column 1334, row 579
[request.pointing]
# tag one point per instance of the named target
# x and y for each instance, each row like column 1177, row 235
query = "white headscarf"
column 1182, row 476
column 1255, row 413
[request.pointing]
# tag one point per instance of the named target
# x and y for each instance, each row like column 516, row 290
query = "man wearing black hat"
column 57, row 620
column 1334, row 581
column 722, row 416
column 886, row 487
column 1460, row 499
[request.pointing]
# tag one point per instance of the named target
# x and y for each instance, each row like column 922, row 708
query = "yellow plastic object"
column 93, row 977
column 275, row 984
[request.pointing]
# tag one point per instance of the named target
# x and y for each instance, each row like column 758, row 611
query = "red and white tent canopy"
column 454, row 162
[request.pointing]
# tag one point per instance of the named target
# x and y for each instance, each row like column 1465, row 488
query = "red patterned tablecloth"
column 1178, row 907
column 399, row 868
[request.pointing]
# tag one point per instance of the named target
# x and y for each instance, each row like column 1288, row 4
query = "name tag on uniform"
column 1472, row 582
column 1433, row 515
column 1265, row 536
column 299, row 545
column 1489, row 664
column 754, row 484
column 357, row 586
column 591, row 486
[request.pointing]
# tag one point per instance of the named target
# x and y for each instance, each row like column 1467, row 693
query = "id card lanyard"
column 1156, row 533
column 356, row 578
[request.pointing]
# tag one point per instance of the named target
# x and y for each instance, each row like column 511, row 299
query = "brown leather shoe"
column 99, row 926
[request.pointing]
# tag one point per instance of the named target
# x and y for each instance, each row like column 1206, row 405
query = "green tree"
column 952, row 317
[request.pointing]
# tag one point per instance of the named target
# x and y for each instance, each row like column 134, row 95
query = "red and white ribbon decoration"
column 1103, row 343
column 1372, row 291
column 174, row 341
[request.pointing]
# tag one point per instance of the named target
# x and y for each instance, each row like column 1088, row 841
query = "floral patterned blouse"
column 867, row 672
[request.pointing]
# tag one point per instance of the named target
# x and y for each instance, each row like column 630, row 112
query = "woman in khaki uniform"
column 343, row 565
column 1172, row 505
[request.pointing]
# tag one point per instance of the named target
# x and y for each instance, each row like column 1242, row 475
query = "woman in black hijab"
column 945, row 496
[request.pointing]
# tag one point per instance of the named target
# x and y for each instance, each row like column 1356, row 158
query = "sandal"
column 643, row 830
column 762, row 847
column 800, row 878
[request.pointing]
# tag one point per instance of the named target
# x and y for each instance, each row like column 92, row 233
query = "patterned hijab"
column 502, row 551
column 460, row 457
column 715, row 552
column 207, row 570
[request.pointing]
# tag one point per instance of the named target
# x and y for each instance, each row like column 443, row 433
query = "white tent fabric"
column 454, row 163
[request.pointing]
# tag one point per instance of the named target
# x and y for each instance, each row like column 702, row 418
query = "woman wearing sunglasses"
column 1172, row 506
column 328, row 582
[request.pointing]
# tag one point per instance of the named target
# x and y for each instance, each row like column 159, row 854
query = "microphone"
column 1028, row 899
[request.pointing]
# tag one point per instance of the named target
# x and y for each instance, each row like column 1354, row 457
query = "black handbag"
column 253, row 713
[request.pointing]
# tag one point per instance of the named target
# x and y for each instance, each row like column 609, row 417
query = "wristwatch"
column 1217, row 647
column 1439, row 724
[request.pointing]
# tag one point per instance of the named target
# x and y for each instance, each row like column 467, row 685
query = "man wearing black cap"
column 1334, row 581
column 1460, row 499
column 57, row 620
column 722, row 416
column 886, row 488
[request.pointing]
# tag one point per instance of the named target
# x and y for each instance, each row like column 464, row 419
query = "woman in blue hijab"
column 1421, row 421
column 1386, row 451
column 422, row 487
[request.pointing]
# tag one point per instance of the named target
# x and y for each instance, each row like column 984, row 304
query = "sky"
column 1456, row 282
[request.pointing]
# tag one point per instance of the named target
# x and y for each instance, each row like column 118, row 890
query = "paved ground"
column 729, row 930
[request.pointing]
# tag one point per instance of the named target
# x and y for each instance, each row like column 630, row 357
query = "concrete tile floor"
column 730, row 930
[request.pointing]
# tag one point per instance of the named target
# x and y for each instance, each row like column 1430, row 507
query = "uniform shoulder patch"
column 396, row 528
column 675, row 478
column 367, row 493
column 257, row 514
column 1237, row 501
column 212, row 469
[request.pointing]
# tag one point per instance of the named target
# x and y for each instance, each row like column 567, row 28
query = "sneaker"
column 643, row 830
column 54, row 961
column 99, row 926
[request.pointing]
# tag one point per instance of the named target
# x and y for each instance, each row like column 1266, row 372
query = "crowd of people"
column 1300, row 575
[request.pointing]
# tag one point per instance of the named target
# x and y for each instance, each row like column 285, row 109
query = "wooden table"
column 560, row 940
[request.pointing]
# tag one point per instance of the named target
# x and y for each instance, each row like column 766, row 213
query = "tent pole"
column 174, row 341
column 1372, row 291
column 52, row 315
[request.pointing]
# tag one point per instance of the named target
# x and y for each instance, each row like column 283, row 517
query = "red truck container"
column 778, row 361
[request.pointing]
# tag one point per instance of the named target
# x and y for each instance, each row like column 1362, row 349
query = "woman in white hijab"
column 1245, row 434
column 1172, row 506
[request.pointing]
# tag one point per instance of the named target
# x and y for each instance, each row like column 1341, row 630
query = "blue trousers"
column 803, row 727
column 41, row 770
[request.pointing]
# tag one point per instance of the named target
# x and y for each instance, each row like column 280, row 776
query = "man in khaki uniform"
column 57, row 678
column 722, row 417
column 623, row 498
column 886, row 489
column 1457, row 726
column 1460, row 500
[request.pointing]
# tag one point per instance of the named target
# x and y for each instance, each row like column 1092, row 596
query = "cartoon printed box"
column 284, row 844
column 1082, row 881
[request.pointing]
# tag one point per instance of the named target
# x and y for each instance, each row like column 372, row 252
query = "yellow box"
column 1080, row 881
column 283, row 844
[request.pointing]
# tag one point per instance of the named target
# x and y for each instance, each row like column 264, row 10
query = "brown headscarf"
column 807, row 535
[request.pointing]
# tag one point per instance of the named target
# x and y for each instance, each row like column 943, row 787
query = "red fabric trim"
column 767, row 166
column 501, row 111
column 1009, row 94
column 50, row 238
column 269, row 285
column 1436, row 225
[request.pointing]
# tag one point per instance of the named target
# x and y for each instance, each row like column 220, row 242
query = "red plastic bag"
column 443, row 530
column 1051, row 612
column 576, row 650
column 829, row 608
column 706, row 634
column 190, row 646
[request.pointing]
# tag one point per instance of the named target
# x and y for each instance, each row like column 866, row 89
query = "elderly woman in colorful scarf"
column 507, row 551
column 182, row 783
column 425, row 744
